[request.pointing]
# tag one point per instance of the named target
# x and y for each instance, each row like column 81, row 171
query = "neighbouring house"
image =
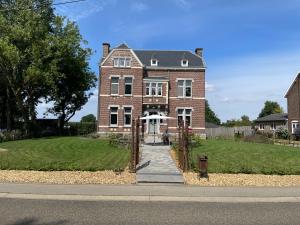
column 147, row 82
column 271, row 123
column 293, row 105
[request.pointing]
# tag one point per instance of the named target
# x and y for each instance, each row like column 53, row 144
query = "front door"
column 152, row 126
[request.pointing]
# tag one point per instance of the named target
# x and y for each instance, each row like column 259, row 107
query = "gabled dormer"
column 184, row 61
column 153, row 61
column 120, row 57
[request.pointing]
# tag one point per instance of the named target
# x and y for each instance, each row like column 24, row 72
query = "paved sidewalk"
column 149, row 193
column 156, row 165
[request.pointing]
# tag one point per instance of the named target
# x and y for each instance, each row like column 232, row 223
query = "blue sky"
column 251, row 48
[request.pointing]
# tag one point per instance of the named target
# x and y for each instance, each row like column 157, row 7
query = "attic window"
column 154, row 62
column 184, row 63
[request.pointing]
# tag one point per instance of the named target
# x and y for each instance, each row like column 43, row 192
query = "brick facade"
column 293, row 103
column 166, row 104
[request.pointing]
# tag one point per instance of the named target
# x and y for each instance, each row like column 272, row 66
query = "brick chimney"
column 199, row 51
column 106, row 49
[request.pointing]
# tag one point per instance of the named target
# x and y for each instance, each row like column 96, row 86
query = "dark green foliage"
column 88, row 118
column 282, row 133
column 42, row 56
column 210, row 116
column 80, row 128
column 270, row 108
column 244, row 121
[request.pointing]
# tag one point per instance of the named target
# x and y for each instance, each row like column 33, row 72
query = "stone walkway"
column 156, row 165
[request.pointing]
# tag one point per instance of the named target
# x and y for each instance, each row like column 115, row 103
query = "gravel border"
column 229, row 180
column 66, row 177
column 256, row 180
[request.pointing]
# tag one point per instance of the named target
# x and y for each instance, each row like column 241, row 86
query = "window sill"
column 127, row 126
column 115, row 95
column 123, row 67
column 128, row 95
column 184, row 97
column 113, row 126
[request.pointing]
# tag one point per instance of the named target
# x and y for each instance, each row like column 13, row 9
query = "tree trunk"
column 8, row 110
column 62, row 124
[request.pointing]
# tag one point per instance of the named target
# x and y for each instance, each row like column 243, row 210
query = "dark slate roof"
column 211, row 125
column 273, row 117
column 122, row 46
column 169, row 58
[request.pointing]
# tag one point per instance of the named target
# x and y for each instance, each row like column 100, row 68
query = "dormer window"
column 154, row 62
column 184, row 63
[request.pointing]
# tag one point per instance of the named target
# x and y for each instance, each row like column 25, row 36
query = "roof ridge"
column 161, row 50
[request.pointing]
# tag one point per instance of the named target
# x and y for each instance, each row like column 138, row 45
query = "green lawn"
column 62, row 153
column 228, row 156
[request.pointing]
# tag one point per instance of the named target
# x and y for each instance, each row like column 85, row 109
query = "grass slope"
column 62, row 153
column 228, row 156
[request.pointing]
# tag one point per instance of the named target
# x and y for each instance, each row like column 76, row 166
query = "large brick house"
column 293, row 105
column 145, row 82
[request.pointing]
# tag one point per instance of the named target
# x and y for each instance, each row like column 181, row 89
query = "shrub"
column 258, row 138
column 282, row 133
column 119, row 140
column 1, row 137
column 80, row 128
column 196, row 140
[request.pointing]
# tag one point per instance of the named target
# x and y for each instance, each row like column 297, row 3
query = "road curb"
column 152, row 198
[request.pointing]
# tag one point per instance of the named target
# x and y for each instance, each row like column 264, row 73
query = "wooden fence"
column 228, row 132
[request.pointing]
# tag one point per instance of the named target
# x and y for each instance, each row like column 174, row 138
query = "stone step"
column 159, row 178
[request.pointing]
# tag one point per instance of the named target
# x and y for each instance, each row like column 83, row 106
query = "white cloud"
column 245, row 83
column 209, row 87
column 183, row 4
column 81, row 10
column 138, row 7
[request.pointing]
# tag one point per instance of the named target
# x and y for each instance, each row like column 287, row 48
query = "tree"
column 244, row 121
column 23, row 53
column 71, row 76
column 210, row 116
column 270, row 107
column 41, row 57
column 90, row 118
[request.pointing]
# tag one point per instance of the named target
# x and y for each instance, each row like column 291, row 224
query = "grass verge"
column 228, row 156
column 62, row 153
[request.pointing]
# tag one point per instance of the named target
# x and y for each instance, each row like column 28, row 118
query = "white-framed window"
column 122, row 62
column 147, row 89
column 261, row 126
column 159, row 89
column 128, row 85
column 295, row 126
column 113, row 117
column 185, row 115
column 114, row 85
column 127, row 116
column 184, row 63
column 154, row 62
column 184, row 88
column 273, row 126
column 153, row 89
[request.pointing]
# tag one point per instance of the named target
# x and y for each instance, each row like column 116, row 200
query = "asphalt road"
column 46, row 212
